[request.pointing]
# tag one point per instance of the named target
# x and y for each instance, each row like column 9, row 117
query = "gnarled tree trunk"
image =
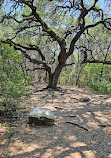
column 53, row 78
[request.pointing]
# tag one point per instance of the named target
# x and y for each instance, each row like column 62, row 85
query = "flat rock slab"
column 41, row 116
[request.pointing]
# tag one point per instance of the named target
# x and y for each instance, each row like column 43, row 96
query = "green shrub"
column 103, row 86
column 67, row 76
column 13, row 82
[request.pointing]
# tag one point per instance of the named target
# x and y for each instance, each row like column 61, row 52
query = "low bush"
column 101, row 86
column 13, row 82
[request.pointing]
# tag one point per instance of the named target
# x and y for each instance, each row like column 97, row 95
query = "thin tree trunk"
column 101, row 74
column 79, row 75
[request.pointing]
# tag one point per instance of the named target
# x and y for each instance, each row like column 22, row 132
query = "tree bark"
column 53, row 78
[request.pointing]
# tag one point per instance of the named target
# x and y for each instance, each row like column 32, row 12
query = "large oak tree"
column 51, row 28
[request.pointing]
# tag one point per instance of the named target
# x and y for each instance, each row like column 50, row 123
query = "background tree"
column 97, row 76
column 51, row 30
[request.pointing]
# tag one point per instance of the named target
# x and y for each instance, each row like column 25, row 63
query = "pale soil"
column 77, row 133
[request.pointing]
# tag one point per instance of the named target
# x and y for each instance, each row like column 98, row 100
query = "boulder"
column 41, row 116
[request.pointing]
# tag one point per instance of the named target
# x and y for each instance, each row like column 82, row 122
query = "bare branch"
column 107, row 23
column 100, row 22
column 69, row 64
column 12, row 17
column 22, row 29
column 82, row 4
column 43, row 24
column 35, row 69
column 99, row 61
column 34, row 61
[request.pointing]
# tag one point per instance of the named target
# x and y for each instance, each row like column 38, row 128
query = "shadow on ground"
column 81, row 130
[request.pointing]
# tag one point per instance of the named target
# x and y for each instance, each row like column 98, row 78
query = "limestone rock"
column 41, row 116
column 86, row 99
column 109, row 143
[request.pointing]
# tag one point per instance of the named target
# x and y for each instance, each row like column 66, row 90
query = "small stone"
column 109, row 143
column 85, row 98
column 54, row 96
column 41, row 116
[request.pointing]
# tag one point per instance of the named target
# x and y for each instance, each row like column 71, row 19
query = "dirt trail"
column 81, row 130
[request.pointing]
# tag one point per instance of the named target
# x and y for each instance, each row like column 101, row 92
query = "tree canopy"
column 47, row 32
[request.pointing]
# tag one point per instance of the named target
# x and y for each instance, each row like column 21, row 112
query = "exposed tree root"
column 77, row 125
column 51, row 89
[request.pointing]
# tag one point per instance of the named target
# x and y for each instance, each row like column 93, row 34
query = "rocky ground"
column 81, row 129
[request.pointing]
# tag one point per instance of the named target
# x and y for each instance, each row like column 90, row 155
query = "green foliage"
column 90, row 76
column 32, row 29
column 98, row 77
column 12, row 80
column 93, row 71
column 9, row 132
column 66, row 76
column 103, row 86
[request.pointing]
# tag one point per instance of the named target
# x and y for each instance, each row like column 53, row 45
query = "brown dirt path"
column 81, row 130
